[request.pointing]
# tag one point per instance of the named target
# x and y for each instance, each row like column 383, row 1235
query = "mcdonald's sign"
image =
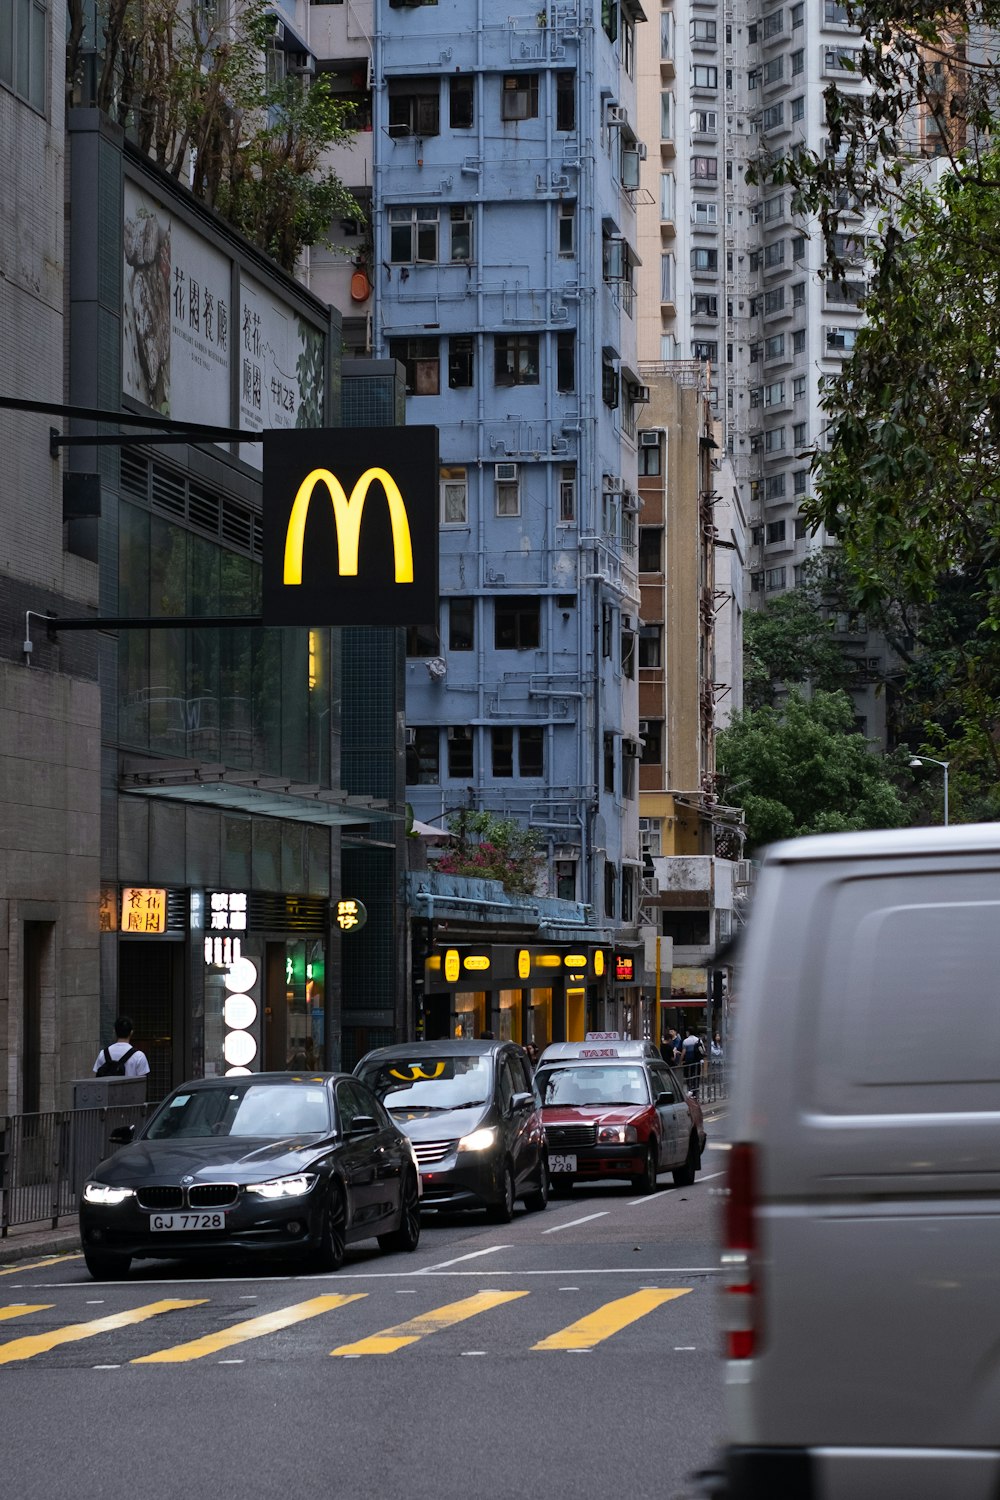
column 351, row 526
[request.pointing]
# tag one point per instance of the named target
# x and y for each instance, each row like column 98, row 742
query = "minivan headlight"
column 284, row 1187
column 479, row 1140
column 100, row 1192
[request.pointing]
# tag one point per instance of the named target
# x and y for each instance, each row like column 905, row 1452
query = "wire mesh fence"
column 46, row 1158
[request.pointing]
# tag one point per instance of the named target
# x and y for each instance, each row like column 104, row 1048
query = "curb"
column 55, row 1243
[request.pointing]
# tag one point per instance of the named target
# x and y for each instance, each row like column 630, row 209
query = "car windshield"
column 253, row 1110
column 567, row 1084
column 444, row 1082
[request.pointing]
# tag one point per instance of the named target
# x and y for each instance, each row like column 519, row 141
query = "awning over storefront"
column 249, row 792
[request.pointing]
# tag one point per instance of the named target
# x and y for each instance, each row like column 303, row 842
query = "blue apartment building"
column 505, row 179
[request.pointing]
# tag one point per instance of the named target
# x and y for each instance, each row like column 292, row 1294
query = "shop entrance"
column 151, row 991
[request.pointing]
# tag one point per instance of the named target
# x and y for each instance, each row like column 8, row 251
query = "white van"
column 863, row 1213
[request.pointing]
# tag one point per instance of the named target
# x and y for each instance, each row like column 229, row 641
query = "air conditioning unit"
column 278, row 34
column 640, row 150
column 304, row 66
column 409, row 736
column 616, row 114
column 505, row 473
column 613, row 484
column 459, row 732
column 649, row 438
column 640, row 394
column 643, row 728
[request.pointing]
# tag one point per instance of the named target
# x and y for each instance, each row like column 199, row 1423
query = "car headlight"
column 616, row 1135
column 100, row 1192
column 284, row 1187
column 479, row 1140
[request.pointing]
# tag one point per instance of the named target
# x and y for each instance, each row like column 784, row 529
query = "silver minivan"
column 862, row 1301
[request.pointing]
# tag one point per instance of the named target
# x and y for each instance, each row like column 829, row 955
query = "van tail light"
column 739, row 1255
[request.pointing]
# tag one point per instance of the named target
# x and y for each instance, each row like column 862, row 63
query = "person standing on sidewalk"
column 122, row 1049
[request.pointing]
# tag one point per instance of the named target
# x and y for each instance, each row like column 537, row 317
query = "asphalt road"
column 571, row 1354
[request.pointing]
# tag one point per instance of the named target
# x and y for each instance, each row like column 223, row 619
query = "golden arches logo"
column 347, row 513
column 417, row 1072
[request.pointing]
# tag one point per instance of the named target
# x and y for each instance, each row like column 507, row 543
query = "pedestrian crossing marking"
column 20, row 1308
column 251, row 1328
column 609, row 1319
column 41, row 1343
column 37, row 1265
column 402, row 1334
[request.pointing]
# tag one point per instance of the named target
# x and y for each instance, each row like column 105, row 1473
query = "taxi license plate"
column 187, row 1221
column 562, row 1163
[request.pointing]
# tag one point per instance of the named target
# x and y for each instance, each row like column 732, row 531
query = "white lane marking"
column 573, row 1222
column 569, row 1288
column 473, row 1255
column 646, row 1198
column 472, row 1353
column 406, row 1291
column 685, row 1348
column 105, row 1367
column 408, row 1275
column 719, row 1146
column 229, row 1361
column 710, row 1176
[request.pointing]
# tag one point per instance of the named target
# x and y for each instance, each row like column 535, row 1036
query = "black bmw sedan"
column 274, row 1163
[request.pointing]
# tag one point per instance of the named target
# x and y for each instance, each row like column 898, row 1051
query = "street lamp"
column 928, row 760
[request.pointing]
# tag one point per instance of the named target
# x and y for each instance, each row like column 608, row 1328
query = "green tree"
column 800, row 768
column 791, row 639
column 493, row 848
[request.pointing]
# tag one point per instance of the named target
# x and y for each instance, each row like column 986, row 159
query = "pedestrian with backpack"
column 120, row 1059
column 693, row 1052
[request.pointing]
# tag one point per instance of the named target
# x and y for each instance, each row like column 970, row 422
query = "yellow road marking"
column 36, row 1265
column 609, row 1319
column 39, row 1343
column 401, row 1334
column 24, row 1307
column 253, row 1328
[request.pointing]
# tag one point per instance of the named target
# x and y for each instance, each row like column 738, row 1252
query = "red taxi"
column 615, row 1109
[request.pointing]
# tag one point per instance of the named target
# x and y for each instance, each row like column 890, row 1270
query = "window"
column 423, row 640
column 704, row 259
column 799, row 294
column 704, row 168
column 835, row 14
column 413, row 235
column 774, row 71
column 24, row 50
column 667, row 195
column 704, row 31
column 774, row 394
column 703, row 77
column 610, row 888
column 705, row 305
column 797, row 14
column 774, row 208
column 461, row 624
column 756, row 583
column 800, row 433
column 607, row 630
column 461, row 361
column 775, row 532
column 667, row 285
column 567, row 493
column 461, row 114
column 531, row 750
column 502, row 740
column 609, row 18
column 705, row 349
column 798, row 62
column 773, row 25
column 774, row 300
column 421, row 359
column 774, row 440
column 800, row 483
column 774, row 347
column 629, row 165
column 519, row 97
column 565, row 101
column 460, row 219
column 666, row 115
column 772, row 118
column 799, row 388
column 774, row 578
column 801, row 529
column 627, row 649
column 454, row 497
column 423, row 756
column 666, row 36
column 774, row 254
column 460, row 757
column 565, row 872
column 609, row 762
column 798, row 109
column 650, row 645
column 799, row 341
column 414, row 106
column 799, row 242
column 704, row 121
column 515, row 358
column 515, row 623
column 704, row 212
column 567, row 229
column 651, row 545
column 841, row 340
column 649, row 455
column 507, row 491
column 609, row 384
column 651, row 731
column 628, row 46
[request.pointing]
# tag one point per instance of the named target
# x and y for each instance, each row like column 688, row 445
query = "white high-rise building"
column 730, row 275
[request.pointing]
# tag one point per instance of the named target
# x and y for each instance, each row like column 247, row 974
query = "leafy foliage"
column 196, row 96
column 802, row 769
column 493, row 848
column 791, row 640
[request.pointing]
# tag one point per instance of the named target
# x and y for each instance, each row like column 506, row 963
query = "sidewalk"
column 36, row 1241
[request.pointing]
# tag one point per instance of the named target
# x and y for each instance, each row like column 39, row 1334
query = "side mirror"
column 521, row 1101
column 666, row 1097
column 122, row 1135
column 362, row 1125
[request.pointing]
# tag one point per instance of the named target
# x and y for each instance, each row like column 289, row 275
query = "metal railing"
column 712, row 1083
column 46, row 1158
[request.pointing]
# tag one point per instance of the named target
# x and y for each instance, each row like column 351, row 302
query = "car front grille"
column 160, row 1197
column 570, row 1135
column 430, row 1152
column 213, row 1194
column 203, row 1195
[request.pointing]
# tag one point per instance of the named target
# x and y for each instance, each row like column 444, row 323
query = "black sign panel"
column 351, row 526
